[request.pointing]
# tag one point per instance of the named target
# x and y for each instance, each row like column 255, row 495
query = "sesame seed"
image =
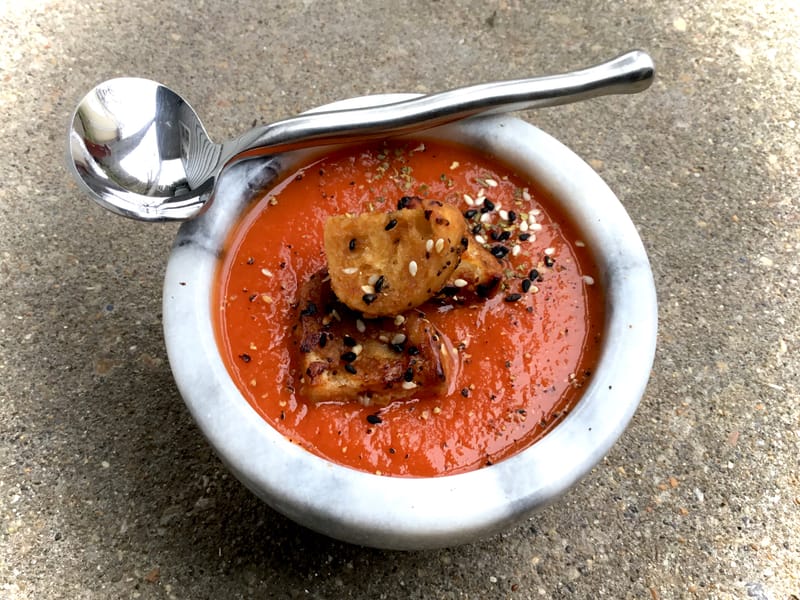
column 523, row 226
column 381, row 281
column 368, row 289
column 503, row 214
column 549, row 261
column 524, row 237
column 350, row 369
column 360, row 326
column 374, row 420
column 485, row 217
column 399, row 320
column 579, row 243
column 409, row 385
column 350, row 270
column 526, row 195
column 460, row 283
column 470, row 213
column 440, row 245
column 398, row 338
column 428, row 245
column 369, row 298
column 480, row 199
column 549, row 251
column 454, row 165
column 357, row 349
column 266, row 298
column 372, row 279
column 348, row 341
column 480, row 239
column 516, row 249
column 588, row 279
column 512, row 297
column 349, row 356
column 468, row 199
column 499, row 251
column 408, row 375
column 412, row 268
column 352, row 244
column 491, row 182
column 391, row 225
column 533, row 275
column 266, row 272
column 535, row 226
column 526, row 285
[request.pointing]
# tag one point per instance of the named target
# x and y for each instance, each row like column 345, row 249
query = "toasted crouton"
column 479, row 272
column 383, row 264
column 341, row 357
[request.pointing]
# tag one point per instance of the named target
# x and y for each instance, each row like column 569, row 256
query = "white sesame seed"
column 373, row 279
column 498, row 207
column 350, row 270
column 503, row 214
column 535, row 212
column 360, row 326
column 549, row 251
column 523, row 226
column 454, row 165
column 428, row 245
column 399, row 320
column 440, row 245
column 383, row 338
column 412, row 268
column 468, row 199
column 526, row 195
column 516, row 249
column 357, row 349
column 535, row 227
column 409, row 385
column 398, row 338
column 459, row 283
column 335, row 315
column 481, row 197
column 485, row 218
column 266, row 272
column 588, row 279
column 534, row 289
column 480, row 239
column 579, row 243
column 491, row 182
column 368, row 289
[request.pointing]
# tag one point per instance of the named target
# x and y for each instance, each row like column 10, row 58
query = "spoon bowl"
column 141, row 151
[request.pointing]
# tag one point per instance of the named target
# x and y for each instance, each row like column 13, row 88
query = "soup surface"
column 523, row 353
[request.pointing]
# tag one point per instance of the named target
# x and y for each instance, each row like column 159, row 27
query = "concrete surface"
column 107, row 489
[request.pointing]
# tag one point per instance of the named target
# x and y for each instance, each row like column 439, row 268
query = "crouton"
column 341, row 357
column 383, row 264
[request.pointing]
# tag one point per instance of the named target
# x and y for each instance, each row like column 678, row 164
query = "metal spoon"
column 140, row 150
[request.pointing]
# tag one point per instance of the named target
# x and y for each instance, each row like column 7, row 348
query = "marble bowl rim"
column 416, row 513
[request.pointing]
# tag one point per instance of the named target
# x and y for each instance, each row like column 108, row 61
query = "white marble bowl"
column 405, row 513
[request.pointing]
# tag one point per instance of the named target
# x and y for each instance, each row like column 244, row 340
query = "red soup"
column 523, row 353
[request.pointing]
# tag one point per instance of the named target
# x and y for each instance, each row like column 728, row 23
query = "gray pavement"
column 107, row 488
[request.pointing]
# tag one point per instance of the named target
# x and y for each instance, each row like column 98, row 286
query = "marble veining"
column 418, row 513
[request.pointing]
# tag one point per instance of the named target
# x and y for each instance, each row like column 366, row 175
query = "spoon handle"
column 628, row 73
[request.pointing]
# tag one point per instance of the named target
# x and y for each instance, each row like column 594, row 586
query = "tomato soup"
column 524, row 352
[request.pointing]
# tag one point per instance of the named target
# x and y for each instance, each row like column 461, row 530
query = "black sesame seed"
column 348, row 341
column 245, row 357
column 323, row 340
column 512, row 216
column 349, row 356
column 379, row 284
column 352, row 244
column 488, row 205
column 391, row 225
column 374, row 420
column 369, row 298
column 549, row 261
column 524, row 236
column 512, row 297
column 499, row 251
column 465, row 392
column 471, row 213
column 526, row 285
column 413, row 351
column 350, row 369
column 409, row 374
column 476, row 229
column 533, row 275
column 404, row 202
column 504, row 235
column 250, row 260
column 309, row 310
column 397, row 347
